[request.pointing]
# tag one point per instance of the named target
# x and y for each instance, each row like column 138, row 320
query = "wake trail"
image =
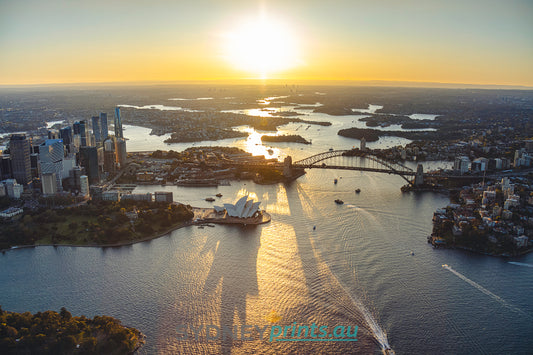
column 484, row 290
column 520, row 264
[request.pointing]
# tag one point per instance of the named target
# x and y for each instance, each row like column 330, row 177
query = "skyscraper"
column 80, row 127
column 100, row 129
column 89, row 160
column 65, row 134
column 19, row 146
column 104, row 129
column 118, row 124
column 96, row 129
column 120, row 151
column 51, row 154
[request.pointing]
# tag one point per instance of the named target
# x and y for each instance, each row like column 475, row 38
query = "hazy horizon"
column 458, row 42
column 237, row 82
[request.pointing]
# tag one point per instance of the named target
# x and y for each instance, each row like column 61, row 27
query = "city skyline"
column 474, row 42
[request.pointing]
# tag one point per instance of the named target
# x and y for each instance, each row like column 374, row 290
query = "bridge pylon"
column 419, row 177
column 287, row 167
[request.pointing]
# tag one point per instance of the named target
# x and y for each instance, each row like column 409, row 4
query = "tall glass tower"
column 118, row 124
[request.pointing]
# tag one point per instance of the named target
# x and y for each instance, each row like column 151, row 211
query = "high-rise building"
column 5, row 167
column 120, row 151
column 51, row 154
column 461, row 164
column 84, row 185
column 34, row 160
column 89, row 160
column 49, row 183
column 76, row 174
column 118, row 124
column 96, row 129
column 65, row 134
column 104, row 129
column 110, row 160
column 80, row 127
column 53, row 134
column 19, row 146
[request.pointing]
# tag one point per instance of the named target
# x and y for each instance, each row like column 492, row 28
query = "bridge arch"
column 378, row 164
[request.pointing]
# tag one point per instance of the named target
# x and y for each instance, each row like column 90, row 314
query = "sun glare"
column 261, row 47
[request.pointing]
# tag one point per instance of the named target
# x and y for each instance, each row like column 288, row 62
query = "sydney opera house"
column 243, row 208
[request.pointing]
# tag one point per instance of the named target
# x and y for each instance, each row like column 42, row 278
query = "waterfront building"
column 51, row 154
column 120, row 151
column 118, row 124
column 461, row 164
column 137, row 197
column 243, row 208
column 110, row 196
column 163, row 196
column 19, row 147
column 521, row 242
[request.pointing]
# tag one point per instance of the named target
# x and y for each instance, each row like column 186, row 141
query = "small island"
column 291, row 138
column 60, row 333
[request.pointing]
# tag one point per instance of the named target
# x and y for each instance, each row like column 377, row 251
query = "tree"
column 65, row 314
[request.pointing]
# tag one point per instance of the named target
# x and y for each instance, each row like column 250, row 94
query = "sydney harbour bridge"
column 358, row 160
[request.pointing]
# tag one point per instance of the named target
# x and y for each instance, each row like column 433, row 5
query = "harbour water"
column 365, row 264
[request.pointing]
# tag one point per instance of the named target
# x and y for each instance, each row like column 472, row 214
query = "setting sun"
column 261, row 47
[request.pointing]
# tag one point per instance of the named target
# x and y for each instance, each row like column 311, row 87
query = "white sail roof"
column 243, row 208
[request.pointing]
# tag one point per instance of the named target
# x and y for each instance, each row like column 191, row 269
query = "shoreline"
column 264, row 220
column 503, row 255
column 115, row 245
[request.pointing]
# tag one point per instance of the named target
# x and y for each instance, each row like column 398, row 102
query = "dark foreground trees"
column 59, row 333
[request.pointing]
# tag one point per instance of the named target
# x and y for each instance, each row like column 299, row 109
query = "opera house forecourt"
column 244, row 211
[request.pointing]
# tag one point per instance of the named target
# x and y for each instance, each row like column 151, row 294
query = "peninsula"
column 97, row 223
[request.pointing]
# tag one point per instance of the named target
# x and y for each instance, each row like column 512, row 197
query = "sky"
column 486, row 42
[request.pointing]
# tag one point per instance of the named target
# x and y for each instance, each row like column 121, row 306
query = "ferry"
column 339, row 201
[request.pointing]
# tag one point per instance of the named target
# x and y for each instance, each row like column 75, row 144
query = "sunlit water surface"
column 367, row 263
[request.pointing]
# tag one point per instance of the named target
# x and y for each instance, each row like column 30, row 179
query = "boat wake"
column 379, row 334
column 484, row 290
column 520, row 264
